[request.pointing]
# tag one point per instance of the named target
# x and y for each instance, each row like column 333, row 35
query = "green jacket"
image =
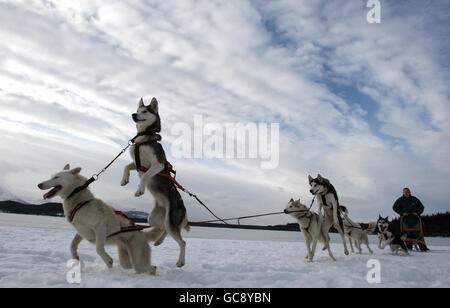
column 408, row 205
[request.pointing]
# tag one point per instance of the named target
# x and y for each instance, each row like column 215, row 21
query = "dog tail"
column 370, row 227
column 154, row 234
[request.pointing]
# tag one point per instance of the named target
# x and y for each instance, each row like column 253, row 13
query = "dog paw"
column 124, row 182
column 158, row 242
column 346, row 252
column 152, row 270
column 180, row 263
column 109, row 262
column 139, row 192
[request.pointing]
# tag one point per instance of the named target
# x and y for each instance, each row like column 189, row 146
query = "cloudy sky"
column 366, row 105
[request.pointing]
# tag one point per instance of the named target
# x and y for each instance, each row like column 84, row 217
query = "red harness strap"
column 131, row 228
column 167, row 175
column 76, row 209
column 125, row 216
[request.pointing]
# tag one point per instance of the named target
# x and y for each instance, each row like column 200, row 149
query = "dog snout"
column 285, row 211
column 41, row 186
column 311, row 191
column 134, row 116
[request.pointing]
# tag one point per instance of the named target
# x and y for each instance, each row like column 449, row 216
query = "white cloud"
column 72, row 72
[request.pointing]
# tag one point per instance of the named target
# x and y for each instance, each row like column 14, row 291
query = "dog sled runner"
column 415, row 235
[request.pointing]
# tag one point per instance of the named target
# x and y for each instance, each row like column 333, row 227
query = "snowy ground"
column 34, row 251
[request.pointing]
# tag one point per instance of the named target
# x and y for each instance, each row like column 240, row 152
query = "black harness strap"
column 332, row 190
column 154, row 138
column 137, row 156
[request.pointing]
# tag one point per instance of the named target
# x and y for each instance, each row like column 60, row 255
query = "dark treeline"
column 47, row 209
column 434, row 225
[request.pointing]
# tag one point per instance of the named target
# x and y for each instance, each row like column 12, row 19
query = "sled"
column 418, row 242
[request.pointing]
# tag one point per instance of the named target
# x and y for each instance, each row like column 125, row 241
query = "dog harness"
column 168, row 172
column 132, row 227
column 332, row 190
column 308, row 217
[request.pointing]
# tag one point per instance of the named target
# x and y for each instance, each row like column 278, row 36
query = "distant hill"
column 47, row 209
column 434, row 225
column 54, row 209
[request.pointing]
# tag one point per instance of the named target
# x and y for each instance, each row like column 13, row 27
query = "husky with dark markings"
column 328, row 202
column 386, row 235
column 169, row 213
column 312, row 227
column 99, row 223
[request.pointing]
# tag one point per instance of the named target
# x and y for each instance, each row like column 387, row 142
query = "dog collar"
column 151, row 131
column 80, row 188
column 154, row 137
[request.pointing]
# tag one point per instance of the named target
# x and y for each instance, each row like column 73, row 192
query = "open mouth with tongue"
column 52, row 192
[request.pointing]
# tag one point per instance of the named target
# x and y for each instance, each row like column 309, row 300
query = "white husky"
column 98, row 222
column 312, row 227
column 354, row 231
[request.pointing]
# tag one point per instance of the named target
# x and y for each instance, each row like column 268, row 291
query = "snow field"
column 37, row 257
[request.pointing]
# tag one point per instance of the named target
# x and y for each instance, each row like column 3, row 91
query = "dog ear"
column 75, row 171
column 67, row 167
column 292, row 200
column 154, row 105
column 319, row 177
column 310, row 178
column 298, row 201
column 141, row 103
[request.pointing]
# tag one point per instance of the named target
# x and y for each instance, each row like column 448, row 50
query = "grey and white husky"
column 169, row 213
column 328, row 202
column 312, row 227
column 389, row 237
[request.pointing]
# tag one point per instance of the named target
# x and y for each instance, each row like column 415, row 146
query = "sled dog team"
column 102, row 225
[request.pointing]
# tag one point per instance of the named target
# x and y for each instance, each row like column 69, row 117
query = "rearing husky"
column 149, row 159
column 328, row 200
